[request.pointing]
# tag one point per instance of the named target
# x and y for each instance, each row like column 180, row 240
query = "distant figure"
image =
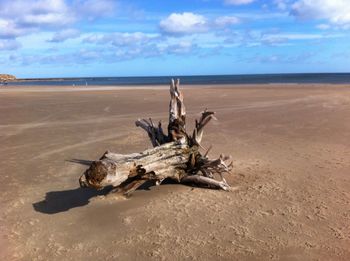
column 86, row 83
column 73, row 84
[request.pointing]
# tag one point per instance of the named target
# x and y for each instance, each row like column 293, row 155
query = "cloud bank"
column 336, row 12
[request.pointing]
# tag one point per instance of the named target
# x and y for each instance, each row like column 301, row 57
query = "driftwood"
column 175, row 156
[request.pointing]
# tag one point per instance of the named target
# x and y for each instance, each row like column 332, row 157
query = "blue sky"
column 73, row 38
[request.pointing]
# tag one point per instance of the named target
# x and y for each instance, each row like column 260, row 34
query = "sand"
column 291, row 150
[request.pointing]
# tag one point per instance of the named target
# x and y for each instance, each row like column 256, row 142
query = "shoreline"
column 52, row 88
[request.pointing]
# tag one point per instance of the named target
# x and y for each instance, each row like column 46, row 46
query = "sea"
column 299, row 78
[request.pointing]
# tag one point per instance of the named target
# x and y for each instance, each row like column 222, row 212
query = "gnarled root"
column 175, row 156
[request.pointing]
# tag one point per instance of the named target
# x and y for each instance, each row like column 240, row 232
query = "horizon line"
column 175, row 76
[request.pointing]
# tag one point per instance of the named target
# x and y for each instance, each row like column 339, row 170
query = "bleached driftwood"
column 175, row 156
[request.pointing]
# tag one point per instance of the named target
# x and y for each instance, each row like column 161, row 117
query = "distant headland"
column 4, row 78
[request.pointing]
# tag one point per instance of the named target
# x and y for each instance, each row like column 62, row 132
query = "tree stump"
column 174, row 156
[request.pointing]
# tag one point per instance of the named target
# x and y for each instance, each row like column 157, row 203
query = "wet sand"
column 291, row 150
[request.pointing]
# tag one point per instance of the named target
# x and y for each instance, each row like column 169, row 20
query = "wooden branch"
column 200, row 180
column 177, row 120
column 155, row 134
column 199, row 128
column 175, row 156
column 177, row 113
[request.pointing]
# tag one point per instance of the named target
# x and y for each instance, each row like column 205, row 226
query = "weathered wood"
column 175, row 156
column 155, row 134
column 199, row 128
column 177, row 113
column 166, row 161
column 197, row 179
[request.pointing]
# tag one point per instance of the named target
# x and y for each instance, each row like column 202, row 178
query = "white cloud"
column 183, row 23
column 258, row 38
column 337, row 12
column 281, row 4
column 29, row 13
column 190, row 23
column 182, row 47
column 121, row 39
column 63, row 35
column 126, row 46
column 24, row 17
column 238, row 2
column 9, row 30
column 226, row 20
column 284, row 38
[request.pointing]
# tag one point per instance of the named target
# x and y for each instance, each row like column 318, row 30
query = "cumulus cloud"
column 226, row 20
column 126, row 46
column 9, row 30
column 184, row 23
column 22, row 17
column 238, row 2
column 337, row 12
column 190, row 23
column 64, row 35
column 114, row 47
column 29, row 13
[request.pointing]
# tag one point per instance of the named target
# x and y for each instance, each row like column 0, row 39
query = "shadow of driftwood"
column 60, row 201
column 81, row 161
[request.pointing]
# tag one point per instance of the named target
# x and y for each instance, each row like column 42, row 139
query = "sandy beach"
column 291, row 152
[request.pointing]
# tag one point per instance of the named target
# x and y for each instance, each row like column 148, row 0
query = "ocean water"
column 337, row 78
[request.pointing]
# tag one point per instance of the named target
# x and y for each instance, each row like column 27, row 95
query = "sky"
column 86, row 38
